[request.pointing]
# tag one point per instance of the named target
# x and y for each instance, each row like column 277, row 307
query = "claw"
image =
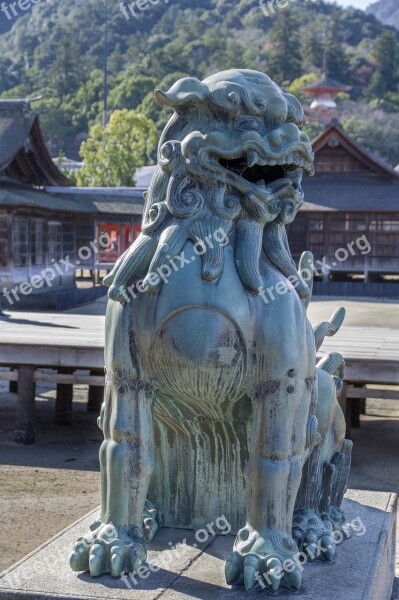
column 137, row 557
column 312, row 549
column 233, row 569
column 274, row 573
column 97, row 560
column 116, row 561
column 149, row 528
column 79, row 559
column 328, row 548
column 298, row 537
column 251, row 572
column 293, row 580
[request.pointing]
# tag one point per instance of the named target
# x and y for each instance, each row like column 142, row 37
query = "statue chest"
column 212, row 341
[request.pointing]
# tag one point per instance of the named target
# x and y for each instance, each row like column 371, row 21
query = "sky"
column 356, row 3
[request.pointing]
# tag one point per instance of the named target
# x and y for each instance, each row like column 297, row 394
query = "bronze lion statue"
column 214, row 404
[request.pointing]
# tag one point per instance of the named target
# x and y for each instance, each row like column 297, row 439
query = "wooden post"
column 96, row 396
column 24, row 432
column 356, row 407
column 64, row 400
column 345, row 404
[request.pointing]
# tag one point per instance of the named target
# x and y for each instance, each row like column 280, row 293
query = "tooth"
column 272, row 163
column 262, row 162
column 289, row 159
column 252, row 158
column 281, row 161
column 261, row 183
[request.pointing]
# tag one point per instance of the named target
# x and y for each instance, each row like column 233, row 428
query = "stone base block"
column 363, row 570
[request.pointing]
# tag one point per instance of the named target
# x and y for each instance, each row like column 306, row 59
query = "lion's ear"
column 184, row 92
column 295, row 110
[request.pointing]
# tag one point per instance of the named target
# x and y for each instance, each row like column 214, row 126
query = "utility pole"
column 105, row 111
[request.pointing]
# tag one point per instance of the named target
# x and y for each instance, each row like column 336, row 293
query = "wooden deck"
column 30, row 342
column 53, row 340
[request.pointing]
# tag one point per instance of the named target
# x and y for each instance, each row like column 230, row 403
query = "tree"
column 336, row 59
column 302, row 82
column 131, row 91
column 381, row 139
column 312, row 49
column 385, row 55
column 283, row 61
column 112, row 154
column 66, row 73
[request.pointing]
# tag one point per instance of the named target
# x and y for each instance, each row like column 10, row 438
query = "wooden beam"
column 57, row 378
column 52, row 356
column 355, row 392
column 9, row 375
column 69, row 379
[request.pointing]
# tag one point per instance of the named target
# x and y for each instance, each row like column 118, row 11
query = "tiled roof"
column 351, row 192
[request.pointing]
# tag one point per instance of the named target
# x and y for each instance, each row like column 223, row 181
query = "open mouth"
column 263, row 172
column 260, row 175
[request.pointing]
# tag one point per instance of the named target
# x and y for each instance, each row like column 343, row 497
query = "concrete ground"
column 45, row 487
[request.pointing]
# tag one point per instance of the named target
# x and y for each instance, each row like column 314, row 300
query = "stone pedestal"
column 363, row 570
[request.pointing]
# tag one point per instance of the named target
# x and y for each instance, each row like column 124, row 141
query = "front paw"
column 109, row 549
column 265, row 559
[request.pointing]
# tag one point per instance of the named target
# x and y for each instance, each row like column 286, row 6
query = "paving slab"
column 363, row 570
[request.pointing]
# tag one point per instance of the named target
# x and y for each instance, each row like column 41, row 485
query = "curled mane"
column 225, row 132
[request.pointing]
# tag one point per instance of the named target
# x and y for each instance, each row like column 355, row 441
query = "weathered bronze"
column 214, row 405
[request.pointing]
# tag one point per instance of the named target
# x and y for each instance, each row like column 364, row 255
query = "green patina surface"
column 214, row 405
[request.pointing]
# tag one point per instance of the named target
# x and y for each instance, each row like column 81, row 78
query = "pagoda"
column 323, row 92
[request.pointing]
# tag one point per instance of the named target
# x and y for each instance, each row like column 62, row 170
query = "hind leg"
column 317, row 513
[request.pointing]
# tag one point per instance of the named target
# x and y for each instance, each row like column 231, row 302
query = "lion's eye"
column 248, row 124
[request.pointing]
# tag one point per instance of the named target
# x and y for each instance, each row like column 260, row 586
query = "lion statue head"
column 232, row 156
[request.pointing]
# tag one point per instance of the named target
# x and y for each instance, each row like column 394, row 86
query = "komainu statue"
column 214, row 405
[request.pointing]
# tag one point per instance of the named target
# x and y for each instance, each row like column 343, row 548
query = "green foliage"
column 57, row 50
column 113, row 153
column 381, row 139
column 385, row 78
column 70, row 174
column 298, row 84
column 283, row 59
column 131, row 91
column 313, row 130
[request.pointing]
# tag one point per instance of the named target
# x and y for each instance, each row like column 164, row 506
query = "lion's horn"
column 183, row 92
